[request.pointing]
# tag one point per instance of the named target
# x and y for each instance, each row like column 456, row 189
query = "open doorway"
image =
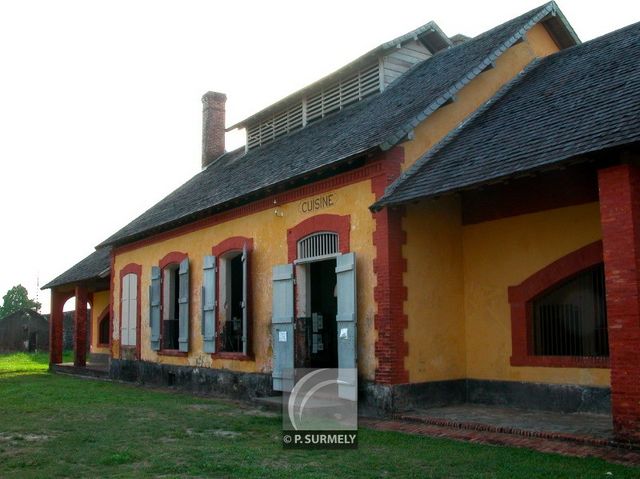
column 316, row 334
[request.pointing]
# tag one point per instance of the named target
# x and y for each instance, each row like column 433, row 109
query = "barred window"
column 570, row 319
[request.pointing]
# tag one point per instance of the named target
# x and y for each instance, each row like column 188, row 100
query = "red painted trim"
column 56, row 325
column 104, row 313
column 234, row 243
column 90, row 320
column 133, row 268
column 112, row 279
column 356, row 175
column 571, row 186
column 174, row 257
column 173, row 352
column 389, row 293
column 234, row 356
column 80, row 327
column 521, row 296
column 315, row 224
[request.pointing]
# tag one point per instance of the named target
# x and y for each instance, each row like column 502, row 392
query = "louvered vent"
column 280, row 124
column 345, row 92
column 333, row 98
column 318, row 245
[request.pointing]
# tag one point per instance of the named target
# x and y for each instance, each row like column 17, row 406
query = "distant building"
column 24, row 330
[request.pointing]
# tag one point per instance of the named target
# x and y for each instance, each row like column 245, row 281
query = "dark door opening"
column 321, row 330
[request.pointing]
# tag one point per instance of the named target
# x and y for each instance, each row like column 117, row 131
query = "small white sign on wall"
column 344, row 333
column 282, row 336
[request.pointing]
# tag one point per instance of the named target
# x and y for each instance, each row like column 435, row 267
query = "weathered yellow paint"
column 269, row 232
column 503, row 253
column 100, row 301
column 458, row 279
column 447, row 331
column 435, row 294
column 538, row 43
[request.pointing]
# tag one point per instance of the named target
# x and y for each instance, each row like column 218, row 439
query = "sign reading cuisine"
column 317, row 203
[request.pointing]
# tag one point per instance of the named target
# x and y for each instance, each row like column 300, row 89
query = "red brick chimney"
column 212, row 126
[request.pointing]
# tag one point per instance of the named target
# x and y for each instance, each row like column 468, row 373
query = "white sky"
column 100, row 112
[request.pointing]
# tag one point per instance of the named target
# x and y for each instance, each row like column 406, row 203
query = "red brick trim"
column 234, row 243
column 389, row 266
column 104, row 313
column 521, row 296
column 324, row 222
column 619, row 188
column 132, row 268
column 356, row 175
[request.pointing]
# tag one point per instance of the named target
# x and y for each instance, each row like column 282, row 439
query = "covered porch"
column 86, row 283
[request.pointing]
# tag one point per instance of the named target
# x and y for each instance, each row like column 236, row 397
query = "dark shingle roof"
column 580, row 100
column 91, row 267
column 377, row 122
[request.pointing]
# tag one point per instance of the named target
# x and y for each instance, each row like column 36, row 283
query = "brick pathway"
column 567, row 447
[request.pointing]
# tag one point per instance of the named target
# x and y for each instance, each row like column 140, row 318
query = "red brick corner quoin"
column 389, row 266
column 620, row 219
column 520, row 298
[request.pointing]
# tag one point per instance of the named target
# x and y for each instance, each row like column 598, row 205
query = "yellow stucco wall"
column 100, row 301
column 442, row 333
column 538, row 43
column 503, row 253
column 435, row 293
column 269, row 233
column 459, row 318
column 458, row 313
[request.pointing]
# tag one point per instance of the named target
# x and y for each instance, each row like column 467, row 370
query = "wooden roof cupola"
column 369, row 74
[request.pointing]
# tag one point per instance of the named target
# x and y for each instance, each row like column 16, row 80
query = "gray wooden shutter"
column 245, row 272
column 282, row 327
column 154, row 308
column 209, row 304
column 346, row 323
column 183, row 306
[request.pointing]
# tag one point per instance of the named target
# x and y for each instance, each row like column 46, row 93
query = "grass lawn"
column 56, row 426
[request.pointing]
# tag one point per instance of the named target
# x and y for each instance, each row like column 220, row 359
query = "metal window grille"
column 571, row 319
column 318, row 245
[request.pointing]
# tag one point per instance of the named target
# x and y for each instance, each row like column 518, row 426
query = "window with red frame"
column 570, row 319
column 170, row 306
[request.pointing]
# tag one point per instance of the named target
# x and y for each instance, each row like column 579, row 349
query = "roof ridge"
column 399, row 134
column 453, row 134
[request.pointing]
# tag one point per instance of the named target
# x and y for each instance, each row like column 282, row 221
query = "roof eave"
column 244, row 199
column 560, row 29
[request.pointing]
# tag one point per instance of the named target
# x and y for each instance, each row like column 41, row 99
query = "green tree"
column 17, row 298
